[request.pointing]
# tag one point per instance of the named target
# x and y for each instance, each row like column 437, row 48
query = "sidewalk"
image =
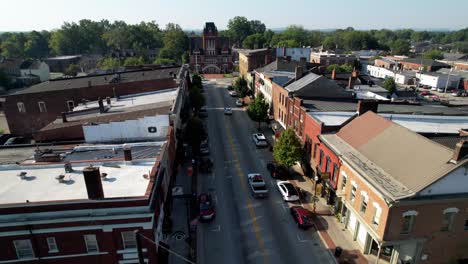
column 177, row 240
column 330, row 230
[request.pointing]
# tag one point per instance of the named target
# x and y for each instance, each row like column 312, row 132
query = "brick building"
column 250, row 60
column 210, row 53
column 400, row 211
column 112, row 111
column 327, row 58
column 422, row 64
column 461, row 65
column 31, row 109
column 82, row 205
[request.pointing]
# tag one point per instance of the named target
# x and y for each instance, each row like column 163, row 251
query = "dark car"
column 207, row 211
column 4, row 138
column 277, row 171
column 203, row 113
column 302, row 217
column 204, row 149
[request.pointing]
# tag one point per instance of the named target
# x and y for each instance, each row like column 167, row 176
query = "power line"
column 165, row 248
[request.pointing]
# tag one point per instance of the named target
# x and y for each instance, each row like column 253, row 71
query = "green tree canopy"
column 287, row 150
column 197, row 81
column 175, row 43
column 133, row 61
column 339, row 68
column 433, row 54
column 72, row 70
column 196, row 98
column 240, row 85
column 195, row 133
column 258, row 109
column 109, row 63
column 390, row 85
column 400, row 47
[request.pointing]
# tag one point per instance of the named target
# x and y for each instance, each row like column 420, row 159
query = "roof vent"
column 60, row 178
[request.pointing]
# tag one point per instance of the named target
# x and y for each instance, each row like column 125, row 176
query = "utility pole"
column 141, row 260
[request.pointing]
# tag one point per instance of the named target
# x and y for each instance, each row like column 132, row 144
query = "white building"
column 379, row 72
column 438, row 80
column 296, row 54
column 37, row 68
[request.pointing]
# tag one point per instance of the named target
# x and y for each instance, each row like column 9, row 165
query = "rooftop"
column 98, row 80
column 251, row 51
column 426, row 124
column 360, row 144
column 67, row 57
column 317, row 86
column 349, row 106
column 40, row 185
column 426, row 62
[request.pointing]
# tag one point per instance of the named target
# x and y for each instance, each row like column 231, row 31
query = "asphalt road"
column 246, row 230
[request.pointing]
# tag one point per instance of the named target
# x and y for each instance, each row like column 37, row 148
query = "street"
column 246, row 230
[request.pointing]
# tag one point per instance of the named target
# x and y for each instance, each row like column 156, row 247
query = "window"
column 314, row 151
column 327, row 164
column 343, row 182
column 129, row 239
column 353, row 194
column 91, row 243
column 335, row 172
column 52, row 245
column 321, row 158
column 291, row 109
column 407, row 224
column 70, row 105
column 42, row 107
column 447, row 222
column 365, row 200
column 377, row 213
column 24, row 249
column 21, row 107
column 301, row 118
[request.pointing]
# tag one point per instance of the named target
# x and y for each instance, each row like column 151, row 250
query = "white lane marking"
column 216, row 229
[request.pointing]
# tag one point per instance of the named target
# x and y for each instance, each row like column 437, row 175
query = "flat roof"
column 123, row 180
column 426, row 124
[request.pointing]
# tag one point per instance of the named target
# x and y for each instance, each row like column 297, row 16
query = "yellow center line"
column 241, row 176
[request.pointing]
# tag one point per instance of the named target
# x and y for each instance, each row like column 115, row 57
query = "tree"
column 390, row 85
column 133, row 61
column 255, row 41
column 433, row 54
column 196, row 98
column 400, row 47
column 175, row 43
column 258, row 109
column 287, row 150
column 164, row 61
column 195, row 133
column 339, row 68
column 5, row 80
column 197, row 81
column 238, row 29
column 109, row 63
column 72, row 70
column 240, row 85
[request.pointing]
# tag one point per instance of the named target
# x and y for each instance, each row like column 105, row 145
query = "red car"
column 207, row 211
column 302, row 217
column 277, row 172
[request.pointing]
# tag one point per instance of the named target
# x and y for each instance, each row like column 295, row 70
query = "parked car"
column 227, row 110
column 433, row 88
column 14, row 140
column 230, row 88
column 459, row 93
column 277, row 171
column 260, row 140
column 288, row 191
column 4, row 138
column 440, row 90
column 257, row 185
column 302, row 217
column 233, row 93
column 239, row 102
column 425, row 93
column 204, row 149
column 207, row 210
column 205, row 165
column 426, row 87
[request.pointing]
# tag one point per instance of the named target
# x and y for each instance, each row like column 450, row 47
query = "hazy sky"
column 24, row 15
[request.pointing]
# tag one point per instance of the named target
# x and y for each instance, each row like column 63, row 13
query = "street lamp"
column 316, row 178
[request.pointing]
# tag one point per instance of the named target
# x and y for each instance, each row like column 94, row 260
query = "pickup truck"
column 257, row 185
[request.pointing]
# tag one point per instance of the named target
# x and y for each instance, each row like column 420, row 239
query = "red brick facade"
column 32, row 120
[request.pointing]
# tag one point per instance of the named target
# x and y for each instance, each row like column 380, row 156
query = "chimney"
column 333, row 74
column 93, row 183
column 284, row 51
column 101, row 105
column 108, row 100
column 351, row 82
column 367, row 105
column 461, row 150
column 127, row 153
column 266, row 60
column 64, row 117
column 298, row 72
column 89, row 83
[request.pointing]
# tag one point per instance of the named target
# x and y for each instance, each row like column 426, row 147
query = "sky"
column 26, row 15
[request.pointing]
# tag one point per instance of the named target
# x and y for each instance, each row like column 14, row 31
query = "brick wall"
column 32, row 120
column 279, row 100
column 440, row 246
